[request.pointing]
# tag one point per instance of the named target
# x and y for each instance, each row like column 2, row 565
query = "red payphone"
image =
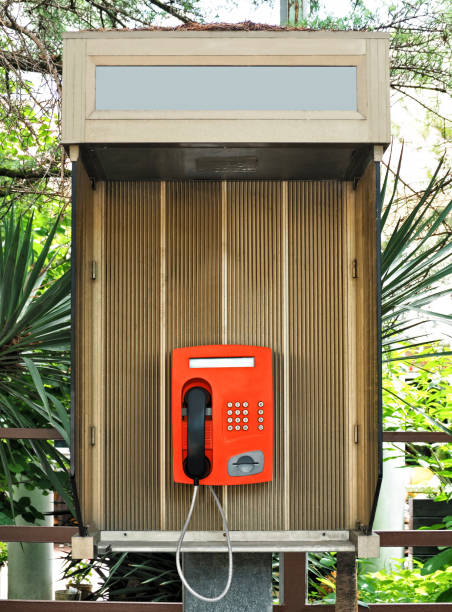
column 222, row 401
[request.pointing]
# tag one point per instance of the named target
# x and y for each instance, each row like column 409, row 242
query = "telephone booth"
column 226, row 192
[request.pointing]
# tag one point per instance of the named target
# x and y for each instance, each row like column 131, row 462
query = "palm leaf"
column 34, row 352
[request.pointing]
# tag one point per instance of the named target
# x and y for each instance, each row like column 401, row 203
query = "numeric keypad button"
column 237, row 427
column 230, row 428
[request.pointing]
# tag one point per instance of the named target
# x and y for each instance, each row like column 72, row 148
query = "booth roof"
column 244, row 26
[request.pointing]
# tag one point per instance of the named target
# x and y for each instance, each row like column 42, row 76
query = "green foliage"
column 400, row 585
column 34, row 362
column 404, row 585
column 439, row 562
column 420, row 33
column 415, row 263
column 3, row 553
column 417, row 371
column 77, row 572
column 131, row 576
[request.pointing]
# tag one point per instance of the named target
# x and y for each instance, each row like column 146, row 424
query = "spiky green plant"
column 415, row 263
column 34, row 358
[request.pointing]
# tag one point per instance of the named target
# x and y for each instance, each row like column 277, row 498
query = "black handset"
column 196, row 464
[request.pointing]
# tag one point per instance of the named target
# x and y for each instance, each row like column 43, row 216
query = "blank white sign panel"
column 222, row 362
column 228, row 88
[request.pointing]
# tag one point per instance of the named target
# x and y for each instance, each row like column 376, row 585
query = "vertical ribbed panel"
column 132, row 355
column 255, row 316
column 249, row 262
column 193, row 310
column 83, row 330
column 366, row 360
column 317, row 363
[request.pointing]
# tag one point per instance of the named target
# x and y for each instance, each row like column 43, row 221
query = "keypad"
column 245, row 416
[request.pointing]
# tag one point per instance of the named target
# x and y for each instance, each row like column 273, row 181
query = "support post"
column 251, row 588
column 346, row 583
column 292, row 580
column 29, row 564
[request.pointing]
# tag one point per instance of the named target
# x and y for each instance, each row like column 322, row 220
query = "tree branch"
column 430, row 110
column 14, row 25
column 172, row 11
column 34, row 174
column 18, row 61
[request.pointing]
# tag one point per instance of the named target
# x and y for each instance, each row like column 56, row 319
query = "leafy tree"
column 419, row 44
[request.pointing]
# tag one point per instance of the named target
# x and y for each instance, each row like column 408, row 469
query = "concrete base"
column 251, row 588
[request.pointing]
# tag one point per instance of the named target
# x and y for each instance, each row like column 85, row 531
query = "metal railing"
column 294, row 582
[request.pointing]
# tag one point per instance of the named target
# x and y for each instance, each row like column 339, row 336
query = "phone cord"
column 181, row 539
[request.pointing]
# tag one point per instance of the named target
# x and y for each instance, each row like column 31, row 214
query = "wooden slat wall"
column 319, row 440
column 132, row 354
column 264, row 262
column 256, row 231
column 192, row 310
column 84, row 333
column 366, row 355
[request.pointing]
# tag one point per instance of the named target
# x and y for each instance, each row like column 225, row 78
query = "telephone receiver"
column 197, row 401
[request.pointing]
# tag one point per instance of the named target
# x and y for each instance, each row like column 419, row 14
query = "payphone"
column 222, row 412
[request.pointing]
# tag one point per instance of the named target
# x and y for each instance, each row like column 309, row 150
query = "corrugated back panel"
column 193, row 315
column 318, row 426
column 83, row 324
column 132, row 355
column 254, row 304
column 264, row 262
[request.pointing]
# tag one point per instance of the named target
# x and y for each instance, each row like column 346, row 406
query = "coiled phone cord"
column 181, row 539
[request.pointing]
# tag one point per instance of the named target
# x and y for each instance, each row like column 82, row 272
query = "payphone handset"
column 222, row 403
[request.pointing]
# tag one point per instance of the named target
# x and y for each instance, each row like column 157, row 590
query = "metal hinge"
column 93, row 270
column 355, row 268
column 92, row 435
column 356, row 434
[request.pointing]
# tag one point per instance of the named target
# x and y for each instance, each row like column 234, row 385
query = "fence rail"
column 294, row 575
